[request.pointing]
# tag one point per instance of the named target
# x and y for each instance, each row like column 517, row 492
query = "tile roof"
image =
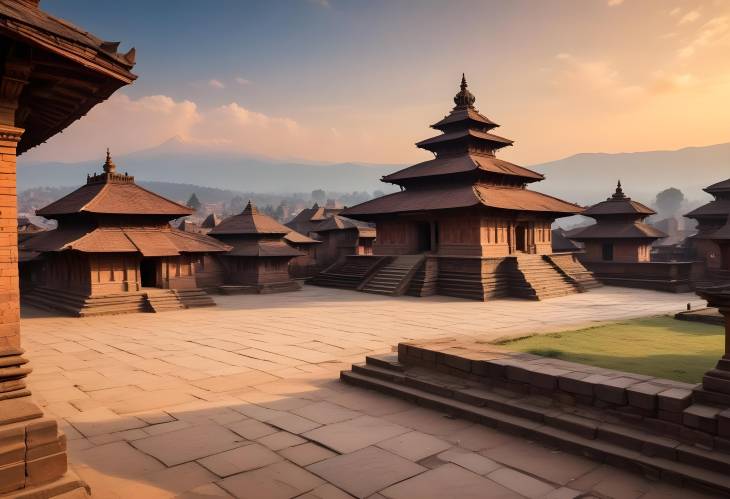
column 461, row 164
column 718, row 207
column 338, row 222
column 114, row 198
column 147, row 241
column 618, row 230
column 297, row 238
column 262, row 248
column 463, row 196
column 250, row 221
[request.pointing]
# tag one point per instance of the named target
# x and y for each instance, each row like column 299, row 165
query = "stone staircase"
column 193, row 298
column 574, row 270
column 163, row 300
column 349, row 273
column 595, row 432
column 79, row 305
column 536, row 278
column 394, row 277
column 425, row 279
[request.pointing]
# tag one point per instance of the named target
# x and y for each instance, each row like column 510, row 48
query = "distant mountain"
column 178, row 162
column 582, row 178
column 591, row 177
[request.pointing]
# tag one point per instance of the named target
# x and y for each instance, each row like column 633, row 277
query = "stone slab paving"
column 244, row 399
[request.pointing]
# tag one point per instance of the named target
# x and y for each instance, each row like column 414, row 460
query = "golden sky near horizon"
column 561, row 77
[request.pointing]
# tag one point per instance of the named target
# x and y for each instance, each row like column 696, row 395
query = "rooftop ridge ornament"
column 619, row 194
column 250, row 208
column 109, row 166
column 464, row 98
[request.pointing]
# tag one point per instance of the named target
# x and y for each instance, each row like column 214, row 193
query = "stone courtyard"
column 244, row 399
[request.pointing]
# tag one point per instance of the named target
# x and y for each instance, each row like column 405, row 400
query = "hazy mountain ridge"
column 584, row 178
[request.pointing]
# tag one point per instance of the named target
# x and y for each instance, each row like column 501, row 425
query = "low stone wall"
column 661, row 406
column 675, row 277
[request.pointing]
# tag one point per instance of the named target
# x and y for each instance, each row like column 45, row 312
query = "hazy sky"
column 337, row 80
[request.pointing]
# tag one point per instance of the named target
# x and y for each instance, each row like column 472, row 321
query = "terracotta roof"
column 210, row 221
column 451, row 136
column 719, row 187
column 718, row 207
column 250, row 221
column 618, row 204
column 147, row 241
column 561, row 243
column 723, row 233
column 338, row 222
column 461, row 164
column 297, row 238
column 618, row 230
column 463, row 196
column 85, row 69
column 257, row 248
column 113, row 194
column 460, row 114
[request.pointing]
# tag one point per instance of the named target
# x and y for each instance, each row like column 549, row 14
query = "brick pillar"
column 32, row 450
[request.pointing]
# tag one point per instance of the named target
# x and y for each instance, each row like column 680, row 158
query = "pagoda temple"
column 618, row 247
column 712, row 241
column 258, row 261
column 338, row 236
column 114, row 246
column 619, row 233
column 478, row 230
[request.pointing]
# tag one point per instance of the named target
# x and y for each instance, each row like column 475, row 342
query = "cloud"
column 663, row 83
column 592, row 78
column 714, row 31
column 216, row 84
column 615, row 3
column 243, row 81
column 675, row 11
column 122, row 124
column 321, row 3
column 689, row 17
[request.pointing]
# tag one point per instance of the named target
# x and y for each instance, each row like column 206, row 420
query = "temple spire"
column 251, row 208
column 464, row 98
column 619, row 194
column 109, row 166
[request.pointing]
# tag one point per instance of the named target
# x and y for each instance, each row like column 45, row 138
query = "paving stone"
column 293, row 423
column 478, row 437
column 118, row 458
column 325, row 413
column 534, row 459
column 251, row 429
column 521, row 483
column 279, row 480
column 102, row 421
column 612, row 482
column 644, row 395
column 469, row 460
column 180, row 478
column 414, row 445
column 207, row 491
column 448, row 480
column 306, row 454
column 280, row 440
column 354, row 434
column 326, row 491
column 177, row 447
column 245, row 458
column 365, row 471
column 614, row 390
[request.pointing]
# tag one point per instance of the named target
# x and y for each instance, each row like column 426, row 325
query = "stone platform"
column 707, row 315
column 659, row 427
column 244, row 399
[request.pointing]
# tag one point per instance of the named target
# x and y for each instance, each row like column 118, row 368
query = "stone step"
column 572, row 433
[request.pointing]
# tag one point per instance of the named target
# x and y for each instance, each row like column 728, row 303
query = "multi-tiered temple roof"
column 464, row 173
column 112, row 214
column 618, row 217
column 252, row 233
column 716, row 211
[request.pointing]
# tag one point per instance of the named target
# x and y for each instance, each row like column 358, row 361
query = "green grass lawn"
column 656, row 346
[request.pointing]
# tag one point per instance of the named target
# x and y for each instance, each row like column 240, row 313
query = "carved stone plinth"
column 716, row 382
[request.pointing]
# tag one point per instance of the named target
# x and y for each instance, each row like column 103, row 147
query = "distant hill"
column 178, row 162
column 582, row 178
column 591, row 177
